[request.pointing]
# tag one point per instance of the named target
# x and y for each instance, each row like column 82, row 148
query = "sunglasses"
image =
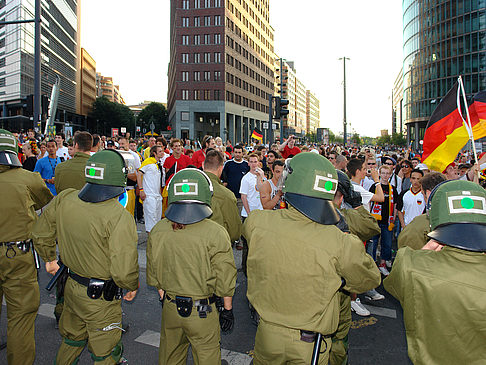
column 405, row 167
column 389, row 163
column 371, row 163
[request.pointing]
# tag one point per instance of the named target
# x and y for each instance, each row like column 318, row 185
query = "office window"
column 185, row 58
column 207, row 39
column 217, row 4
column 197, row 21
column 207, row 75
column 197, row 76
column 197, row 40
column 207, row 3
column 197, row 58
column 2, row 62
column 185, row 76
column 217, row 95
column 217, row 39
column 207, row 57
column 185, row 94
column 197, row 94
column 217, row 75
column 185, row 4
column 185, row 40
column 185, row 21
column 197, row 4
column 207, row 21
column 217, row 57
column 207, row 94
column 217, row 20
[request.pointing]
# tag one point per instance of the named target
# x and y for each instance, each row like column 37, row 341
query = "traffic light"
column 282, row 106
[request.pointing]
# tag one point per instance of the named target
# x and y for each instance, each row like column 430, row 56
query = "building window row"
column 197, row 57
column 216, row 76
column 185, row 21
column 201, row 94
column 186, row 4
column 230, row 42
column 208, row 39
column 230, row 60
column 242, row 84
column 241, row 100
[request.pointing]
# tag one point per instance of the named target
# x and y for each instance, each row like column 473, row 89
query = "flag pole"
column 468, row 125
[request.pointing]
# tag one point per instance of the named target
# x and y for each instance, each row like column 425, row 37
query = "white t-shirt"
column 367, row 183
column 63, row 153
column 151, row 179
column 365, row 195
column 413, row 205
column 248, row 187
column 396, row 182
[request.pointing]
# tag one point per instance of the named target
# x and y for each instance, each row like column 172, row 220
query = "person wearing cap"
column 414, row 235
column 97, row 241
column 22, row 193
column 190, row 261
column 223, row 202
column 441, row 287
column 293, row 281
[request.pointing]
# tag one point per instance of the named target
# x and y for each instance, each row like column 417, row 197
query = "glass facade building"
column 442, row 39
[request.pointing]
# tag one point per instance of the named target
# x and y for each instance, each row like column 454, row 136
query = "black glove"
column 226, row 320
column 342, row 224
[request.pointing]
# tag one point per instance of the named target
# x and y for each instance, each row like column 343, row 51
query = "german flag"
column 257, row 134
column 446, row 133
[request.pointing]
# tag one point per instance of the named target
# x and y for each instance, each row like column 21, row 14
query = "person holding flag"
column 256, row 134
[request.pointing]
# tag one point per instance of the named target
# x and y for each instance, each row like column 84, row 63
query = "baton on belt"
column 316, row 350
column 56, row 276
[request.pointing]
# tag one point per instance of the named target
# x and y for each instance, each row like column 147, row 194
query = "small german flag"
column 257, row 134
column 446, row 133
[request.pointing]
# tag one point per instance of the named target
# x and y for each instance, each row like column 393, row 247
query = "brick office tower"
column 221, row 69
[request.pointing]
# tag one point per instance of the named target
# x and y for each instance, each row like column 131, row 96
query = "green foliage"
column 311, row 137
column 384, row 140
column 369, row 140
column 334, row 139
column 398, row 139
column 356, row 139
column 111, row 115
column 156, row 113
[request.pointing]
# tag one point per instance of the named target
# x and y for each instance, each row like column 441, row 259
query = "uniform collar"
column 81, row 155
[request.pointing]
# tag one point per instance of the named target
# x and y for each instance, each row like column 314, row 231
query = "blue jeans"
column 386, row 243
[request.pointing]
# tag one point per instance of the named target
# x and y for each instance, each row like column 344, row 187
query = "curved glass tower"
column 442, row 39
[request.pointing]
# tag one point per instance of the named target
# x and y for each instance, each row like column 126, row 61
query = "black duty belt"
column 23, row 246
column 97, row 287
column 184, row 305
column 11, row 243
column 198, row 302
column 79, row 279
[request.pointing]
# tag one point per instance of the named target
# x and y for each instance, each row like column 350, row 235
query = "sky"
column 130, row 42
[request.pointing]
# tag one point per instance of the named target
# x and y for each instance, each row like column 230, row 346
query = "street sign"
column 138, row 128
column 123, row 130
column 265, row 125
column 114, row 132
column 274, row 126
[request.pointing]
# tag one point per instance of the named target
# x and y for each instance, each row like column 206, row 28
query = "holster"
column 61, row 282
column 95, row 288
column 112, row 291
column 307, row 336
column 184, row 306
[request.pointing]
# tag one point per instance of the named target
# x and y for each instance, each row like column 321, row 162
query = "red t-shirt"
column 182, row 162
column 290, row 151
column 198, row 158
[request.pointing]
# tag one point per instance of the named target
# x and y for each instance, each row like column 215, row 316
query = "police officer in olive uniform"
column 97, row 241
column 70, row 174
column 298, row 260
column 223, row 202
column 22, row 193
column 442, row 288
column 190, row 260
column 361, row 223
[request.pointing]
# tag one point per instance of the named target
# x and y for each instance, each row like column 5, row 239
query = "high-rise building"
column 221, row 70
column 105, row 87
column 87, row 96
column 442, row 40
column 60, row 57
column 312, row 112
column 397, row 104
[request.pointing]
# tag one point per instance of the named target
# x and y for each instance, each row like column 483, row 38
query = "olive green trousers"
column 178, row 332
column 18, row 283
column 95, row 322
column 280, row 345
column 339, row 347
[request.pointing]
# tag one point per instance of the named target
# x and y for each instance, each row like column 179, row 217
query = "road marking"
column 47, row 310
column 384, row 312
column 152, row 338
column 365, row 322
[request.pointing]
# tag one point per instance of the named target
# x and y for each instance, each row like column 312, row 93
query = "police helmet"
column 8, row 149
column 189, row 197
column 309, row 184
column 106, row 177
column 458, row 215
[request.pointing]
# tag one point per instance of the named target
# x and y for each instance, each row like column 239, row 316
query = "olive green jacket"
column 21, row 193
column 96, row 240
column 295, row 268
column 225, row 210
column 361, row 223
column 443, row 295
column 196, row 261
column 415, row 233
column 71, row 173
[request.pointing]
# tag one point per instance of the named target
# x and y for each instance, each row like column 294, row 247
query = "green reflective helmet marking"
column 92, row 172
column 185, row 188
column 328, row 186
column 467, row 203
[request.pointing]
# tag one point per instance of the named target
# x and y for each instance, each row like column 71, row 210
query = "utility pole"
column 345, row 137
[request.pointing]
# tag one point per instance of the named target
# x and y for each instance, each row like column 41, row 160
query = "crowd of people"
column 269, row 201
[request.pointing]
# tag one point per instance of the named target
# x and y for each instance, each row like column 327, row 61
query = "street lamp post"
column 247, row 139
column 345, row 138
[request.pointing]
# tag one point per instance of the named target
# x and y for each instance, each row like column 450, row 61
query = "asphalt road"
column 377, row 339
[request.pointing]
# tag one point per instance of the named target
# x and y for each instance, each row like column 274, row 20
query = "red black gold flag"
column 257, row 134
column 446, row 133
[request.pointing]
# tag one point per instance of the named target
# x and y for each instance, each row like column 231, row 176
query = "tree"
column 156, row 113
column 111, row 115
column 356, row 139
column 398, row 139
column 384, row 140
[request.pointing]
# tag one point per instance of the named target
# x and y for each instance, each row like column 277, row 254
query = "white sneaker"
column 374, row 295
column 384, row 270
column 359, row 308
